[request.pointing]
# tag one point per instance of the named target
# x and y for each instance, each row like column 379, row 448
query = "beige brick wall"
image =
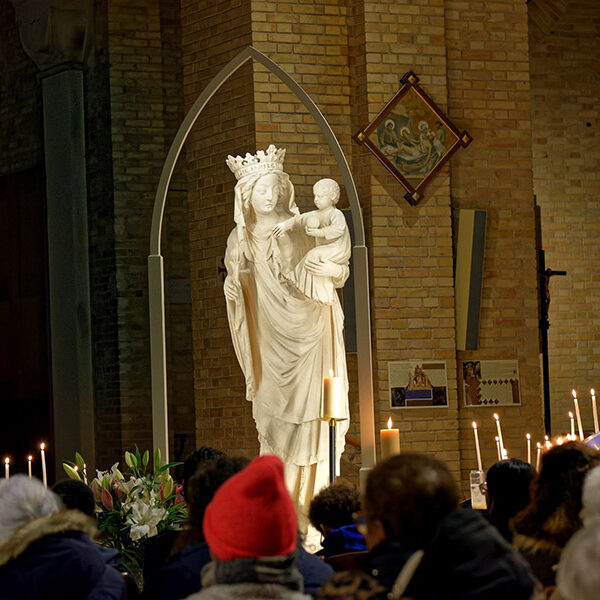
column 565, row 86
column 349, row 57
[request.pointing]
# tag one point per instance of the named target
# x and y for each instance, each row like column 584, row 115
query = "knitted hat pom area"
column 252, row 514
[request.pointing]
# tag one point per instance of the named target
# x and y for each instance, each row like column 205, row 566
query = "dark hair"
column 508, row 483
column 410, row 494
column 76, row 495
column 210, row 475
column 197, row 457
column 553, row 512
column 334, row 506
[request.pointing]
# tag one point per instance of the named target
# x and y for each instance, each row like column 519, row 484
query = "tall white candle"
column 577, row 414
column 85, row 474
column 499, row 433
column 44, row 475
column 528, row 436
column 498, row 448
column 29, row 459
column 477, row 449
column 572, row 425
column 537, row 458
column 7, row 468
column 594, row 411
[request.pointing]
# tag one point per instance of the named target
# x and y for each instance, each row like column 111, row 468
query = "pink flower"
column 107, row 500
column 96, row 490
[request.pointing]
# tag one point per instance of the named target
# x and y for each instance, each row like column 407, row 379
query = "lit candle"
column 85, row 473
column 44, row 475
column 498, row 448
column 537, row 458
column 477, row 449
column 499, row 433
column 577, row 414
column 390, row 441
column 528, row 436
column 547, row 442
column 572, row 425
column 594, row 411
column 333, row 393
column 7, row 468
column 29, row 459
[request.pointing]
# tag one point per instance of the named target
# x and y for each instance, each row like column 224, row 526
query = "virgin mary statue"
column 285, row 342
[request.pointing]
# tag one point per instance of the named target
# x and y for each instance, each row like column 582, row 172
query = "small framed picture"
column 417, row 384
column 491, row 383
column 412, row 138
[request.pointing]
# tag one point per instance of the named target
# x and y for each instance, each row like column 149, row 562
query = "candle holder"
column 332, row 410
column 478, row 500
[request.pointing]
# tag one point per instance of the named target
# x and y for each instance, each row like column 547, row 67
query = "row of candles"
column 29, row 461
column 502, row 452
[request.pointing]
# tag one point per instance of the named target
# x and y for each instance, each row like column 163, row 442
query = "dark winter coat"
column 181, row 576
column 269, row 578
column 467, row 559
column 54, row 558
column 342, row 540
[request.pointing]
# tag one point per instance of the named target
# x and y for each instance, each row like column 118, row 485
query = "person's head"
column 252, row 514
column 406, row 498
column 389, row 124
column 333, row 507
column 76, row 495
column 590, row 498
column 327, row 193
column 209, row 476
column 197, row 457
column 555, row 504
column 265, row 193
column 578, row 576
column 23, row 500
column 508, row 483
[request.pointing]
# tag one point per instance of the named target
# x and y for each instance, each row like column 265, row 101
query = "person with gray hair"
column 46, row 552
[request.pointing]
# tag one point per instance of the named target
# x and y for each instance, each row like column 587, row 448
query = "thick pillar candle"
column 333, row 393
column 390, row 441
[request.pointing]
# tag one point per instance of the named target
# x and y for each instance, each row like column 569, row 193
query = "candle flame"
column 496, row 416
column 389, row 423
column 528, row 436
column 574, row 393
column 539, row 446
column 6, row 461
column 570, row 415
column 592, row 392
column 42, row 446
column 559, row 440
column 497, row 439
column 30, row 458
column 330, row 372
column 474, row 424
column 76, row 468
column 546, row 438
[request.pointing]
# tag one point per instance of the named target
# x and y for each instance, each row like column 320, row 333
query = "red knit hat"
column 252, row 513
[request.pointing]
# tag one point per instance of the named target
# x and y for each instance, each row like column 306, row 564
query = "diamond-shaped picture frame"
column 412, row 138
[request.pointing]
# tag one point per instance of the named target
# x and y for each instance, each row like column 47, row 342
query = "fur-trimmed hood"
column 58, row 522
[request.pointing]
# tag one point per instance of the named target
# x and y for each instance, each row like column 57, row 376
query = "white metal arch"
column 360, row 260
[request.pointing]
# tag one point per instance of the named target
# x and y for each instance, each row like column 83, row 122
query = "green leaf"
column 146, row 459
column 157, row 458
column 167, row 467
column 71, row 472
column 138, row 458
column 79, row 460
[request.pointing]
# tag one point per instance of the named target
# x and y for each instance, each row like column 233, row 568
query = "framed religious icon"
column 412, row 138
column 491, row 383
column 418, row 383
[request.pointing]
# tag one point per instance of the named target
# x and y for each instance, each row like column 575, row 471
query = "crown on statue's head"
column 261, row 162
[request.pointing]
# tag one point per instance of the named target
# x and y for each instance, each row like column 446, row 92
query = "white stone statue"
column 287, row 340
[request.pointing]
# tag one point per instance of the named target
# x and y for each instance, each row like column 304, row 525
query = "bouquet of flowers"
column 133, row 506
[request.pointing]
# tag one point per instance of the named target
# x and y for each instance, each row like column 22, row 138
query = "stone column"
column 55, row 35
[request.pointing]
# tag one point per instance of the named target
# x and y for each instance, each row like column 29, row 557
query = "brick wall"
column 565, row 83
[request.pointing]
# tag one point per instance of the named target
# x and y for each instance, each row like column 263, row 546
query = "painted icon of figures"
column 413, row 153
column 286, row 340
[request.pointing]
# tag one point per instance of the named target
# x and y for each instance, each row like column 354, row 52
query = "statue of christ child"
column 328, row 226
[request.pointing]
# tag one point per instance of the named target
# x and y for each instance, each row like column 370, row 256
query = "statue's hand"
column 232, row 289
column 282, row 227
column 325, row 268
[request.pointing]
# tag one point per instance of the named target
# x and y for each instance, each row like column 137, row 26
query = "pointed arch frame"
column 156, row 294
